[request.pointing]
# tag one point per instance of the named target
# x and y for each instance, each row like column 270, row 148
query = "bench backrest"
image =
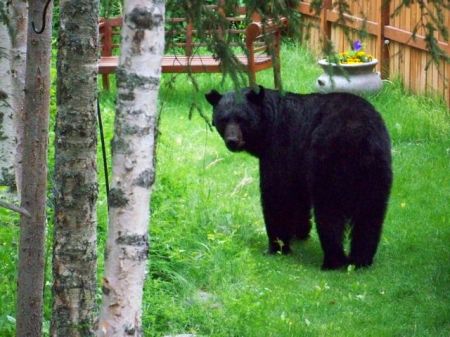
column 246, row 32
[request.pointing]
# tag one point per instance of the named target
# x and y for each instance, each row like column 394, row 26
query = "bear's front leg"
column 301, row 217
column 278, row 246
column 277, row 225
column 278, row 216
column 330, row 227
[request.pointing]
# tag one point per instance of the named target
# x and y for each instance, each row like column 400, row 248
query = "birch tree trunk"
column 74, row 248
column 32, row 229
column 7, row 130
column 138, row 78
column 19, row 22
column 13, row 24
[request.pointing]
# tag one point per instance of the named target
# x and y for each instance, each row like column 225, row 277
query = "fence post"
column 106, row 45
column 448, row 75
column 383, row 50
column 189, row 43
column 325, row 25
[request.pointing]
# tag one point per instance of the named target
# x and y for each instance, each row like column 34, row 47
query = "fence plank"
column 382, row 53
column 325, row 25
column 405, row 56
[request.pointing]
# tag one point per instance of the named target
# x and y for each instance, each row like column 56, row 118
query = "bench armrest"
column 257, row 29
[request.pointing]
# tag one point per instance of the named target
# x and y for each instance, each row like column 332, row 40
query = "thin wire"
column 44, row 14
column 102, row 139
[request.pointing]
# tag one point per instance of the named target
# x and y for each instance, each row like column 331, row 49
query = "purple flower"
column 357, row 45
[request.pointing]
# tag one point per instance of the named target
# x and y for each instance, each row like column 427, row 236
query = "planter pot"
column 356, row 78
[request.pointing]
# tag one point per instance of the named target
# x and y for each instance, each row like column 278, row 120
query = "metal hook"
column 44, row 14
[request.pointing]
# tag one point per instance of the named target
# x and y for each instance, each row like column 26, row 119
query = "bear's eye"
column 240, row 120
column 220, row 121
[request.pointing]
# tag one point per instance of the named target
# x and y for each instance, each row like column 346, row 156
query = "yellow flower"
column 356, row 55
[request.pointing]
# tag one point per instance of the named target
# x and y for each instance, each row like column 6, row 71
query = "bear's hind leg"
column 302, row 220
column 303, row 230
column 365, row 236
column 331, row 228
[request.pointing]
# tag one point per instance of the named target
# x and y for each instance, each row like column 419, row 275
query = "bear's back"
column 340, row 133
column 334, row 118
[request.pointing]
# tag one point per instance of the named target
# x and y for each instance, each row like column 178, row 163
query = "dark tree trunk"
column 74, row 250
column 34, row 176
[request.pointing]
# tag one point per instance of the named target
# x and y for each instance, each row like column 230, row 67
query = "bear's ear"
column 213, row 97
column 256, row 97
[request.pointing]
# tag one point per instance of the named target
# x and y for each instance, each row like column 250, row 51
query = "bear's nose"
column 232, row 144
column 235, row 144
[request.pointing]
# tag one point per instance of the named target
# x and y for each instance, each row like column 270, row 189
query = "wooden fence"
column 389, row 39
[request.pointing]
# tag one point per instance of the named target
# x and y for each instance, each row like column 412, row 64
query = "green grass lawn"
column 208, row 271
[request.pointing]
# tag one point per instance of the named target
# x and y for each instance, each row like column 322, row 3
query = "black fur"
column 326, row 152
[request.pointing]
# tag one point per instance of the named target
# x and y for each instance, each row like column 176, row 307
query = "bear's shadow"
column 306, row 252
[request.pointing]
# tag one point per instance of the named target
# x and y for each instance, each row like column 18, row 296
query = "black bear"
column 329, row 153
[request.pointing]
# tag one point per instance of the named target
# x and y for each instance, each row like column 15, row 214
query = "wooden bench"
column 262, row 43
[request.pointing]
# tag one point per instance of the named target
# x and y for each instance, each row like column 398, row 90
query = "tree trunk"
column 13, row 20
column 74, row 248
column 7, row 131
column 138, row 78
column 19, row 21
column 34, row 177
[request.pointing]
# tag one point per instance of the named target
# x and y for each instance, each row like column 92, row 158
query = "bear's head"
column 238, row 118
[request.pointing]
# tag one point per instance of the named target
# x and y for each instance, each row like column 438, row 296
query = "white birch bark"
column 138, row 78
column 7, row 130
column 18, row 24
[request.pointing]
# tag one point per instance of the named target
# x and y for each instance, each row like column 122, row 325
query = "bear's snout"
column 233, row 137
column 233, row 145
